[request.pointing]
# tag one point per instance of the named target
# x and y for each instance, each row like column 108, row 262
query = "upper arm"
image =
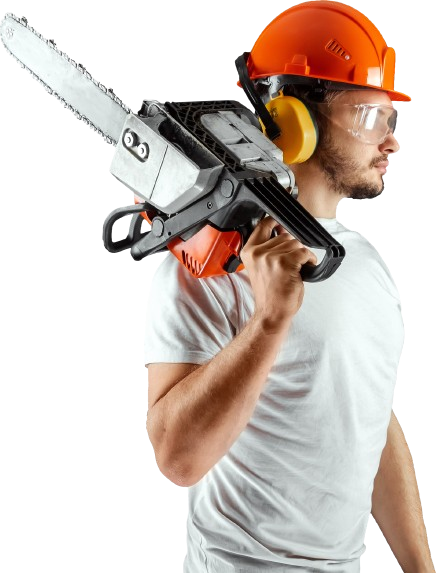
column 162, row 376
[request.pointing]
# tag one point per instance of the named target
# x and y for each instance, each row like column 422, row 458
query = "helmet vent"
column 338, row 50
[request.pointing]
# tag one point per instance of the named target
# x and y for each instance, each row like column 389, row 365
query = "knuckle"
column 304, row 252
column 249, row 252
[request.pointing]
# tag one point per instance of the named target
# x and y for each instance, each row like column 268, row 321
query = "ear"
column 299, row 132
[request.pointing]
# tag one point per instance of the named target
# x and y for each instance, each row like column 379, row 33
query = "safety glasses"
column 371, row 123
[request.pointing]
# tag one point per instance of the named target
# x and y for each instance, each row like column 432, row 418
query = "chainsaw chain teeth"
column 80, row 67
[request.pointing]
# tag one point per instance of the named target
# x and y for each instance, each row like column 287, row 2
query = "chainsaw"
column 202, row 173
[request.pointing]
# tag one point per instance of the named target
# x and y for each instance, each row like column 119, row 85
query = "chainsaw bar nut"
column 130, row 139
column 143, row 150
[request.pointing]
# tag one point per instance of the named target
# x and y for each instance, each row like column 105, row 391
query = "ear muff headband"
column 270, row 127
column 284, row 119
column 299, row 132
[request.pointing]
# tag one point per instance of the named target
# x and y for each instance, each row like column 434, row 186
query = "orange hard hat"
column 326, row 40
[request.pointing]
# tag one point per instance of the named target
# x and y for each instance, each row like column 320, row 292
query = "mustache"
column 378, row 160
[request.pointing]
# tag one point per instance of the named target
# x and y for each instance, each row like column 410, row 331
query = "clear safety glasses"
column 371, row 123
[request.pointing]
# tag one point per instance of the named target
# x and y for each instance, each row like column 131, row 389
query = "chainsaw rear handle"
column 270, row 196
column 316, row 273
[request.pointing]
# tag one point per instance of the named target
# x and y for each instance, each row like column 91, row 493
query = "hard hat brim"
column 397, row 96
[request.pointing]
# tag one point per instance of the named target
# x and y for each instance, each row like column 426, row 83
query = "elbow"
column 177, row 473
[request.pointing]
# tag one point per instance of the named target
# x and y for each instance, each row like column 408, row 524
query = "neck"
column 314, row 194
column 317, row 203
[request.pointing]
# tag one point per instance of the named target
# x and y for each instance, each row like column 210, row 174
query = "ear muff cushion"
column 299, row 132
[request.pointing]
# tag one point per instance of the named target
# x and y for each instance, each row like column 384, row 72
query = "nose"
column 390, row 144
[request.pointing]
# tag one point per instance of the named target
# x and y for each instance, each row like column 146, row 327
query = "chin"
column 365, row 191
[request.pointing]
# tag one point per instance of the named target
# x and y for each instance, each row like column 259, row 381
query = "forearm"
column 396, row 505
column 200, row 418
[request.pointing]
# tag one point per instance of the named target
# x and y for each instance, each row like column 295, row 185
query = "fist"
column 273, row 265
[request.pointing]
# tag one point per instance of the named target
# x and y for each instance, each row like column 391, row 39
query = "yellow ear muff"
column 299, row 133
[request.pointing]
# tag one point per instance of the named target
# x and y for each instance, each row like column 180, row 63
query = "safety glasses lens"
column 373, row 123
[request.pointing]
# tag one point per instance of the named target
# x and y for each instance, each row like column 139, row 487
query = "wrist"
column 271, row 323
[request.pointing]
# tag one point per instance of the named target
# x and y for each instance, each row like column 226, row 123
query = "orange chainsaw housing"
column 207, row 252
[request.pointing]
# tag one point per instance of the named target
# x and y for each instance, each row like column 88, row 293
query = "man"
column 270, row 398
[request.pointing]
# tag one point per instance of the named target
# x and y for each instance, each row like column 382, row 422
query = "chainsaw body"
column 203, row 175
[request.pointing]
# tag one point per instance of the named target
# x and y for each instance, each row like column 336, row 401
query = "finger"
column 262, row 231
column 305, row 255
column 282, row 231
column 287, row 242
column 282, row 239
column 294, row 250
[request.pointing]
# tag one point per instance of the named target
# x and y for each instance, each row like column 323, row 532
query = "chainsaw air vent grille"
column 193, row 266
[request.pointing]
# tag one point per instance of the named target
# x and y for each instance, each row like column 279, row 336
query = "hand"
column 273, row 266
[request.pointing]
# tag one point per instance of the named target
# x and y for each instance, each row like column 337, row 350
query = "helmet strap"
column 272, row 129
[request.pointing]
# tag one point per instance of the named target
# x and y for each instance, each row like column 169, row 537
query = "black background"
column 78, row 402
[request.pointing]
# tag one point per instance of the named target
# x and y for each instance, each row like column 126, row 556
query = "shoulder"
column 171, row 272
column 343, row 234
column 365, row 253
column 172, row 280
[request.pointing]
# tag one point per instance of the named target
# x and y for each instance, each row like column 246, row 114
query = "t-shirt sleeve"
column 186, row 320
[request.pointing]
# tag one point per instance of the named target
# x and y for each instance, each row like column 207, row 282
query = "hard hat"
column 326, row 40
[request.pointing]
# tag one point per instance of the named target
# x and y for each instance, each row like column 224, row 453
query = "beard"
column 344, row 175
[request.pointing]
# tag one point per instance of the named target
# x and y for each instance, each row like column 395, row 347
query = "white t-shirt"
column 293, row 493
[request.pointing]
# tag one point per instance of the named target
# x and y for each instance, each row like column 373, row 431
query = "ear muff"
column 299, row 132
